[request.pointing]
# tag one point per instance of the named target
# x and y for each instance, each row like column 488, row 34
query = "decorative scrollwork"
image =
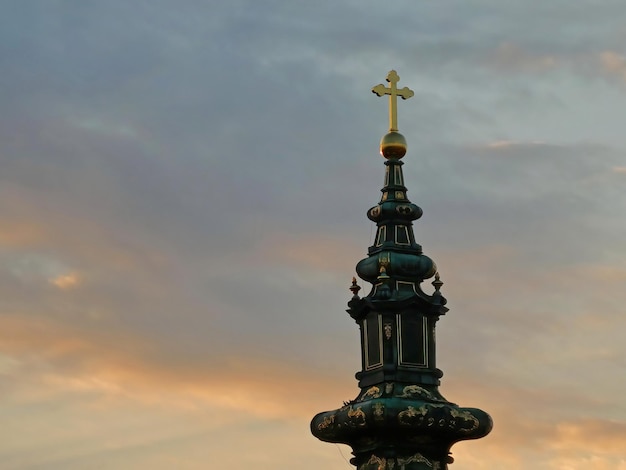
column 372, row 392
column 467, row 417
column 326, row 422
column 356, row 416
column 439, row 416
column 375, row 211
column 381, row 462
column 412, row 391
column 387, row 328
column 411, row 414
column 417, row 458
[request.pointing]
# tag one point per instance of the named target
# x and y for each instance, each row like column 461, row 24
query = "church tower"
column 399, row 420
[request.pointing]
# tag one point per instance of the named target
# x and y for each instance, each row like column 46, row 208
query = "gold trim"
column 404, row 417
column 382, row 463
column 414, row 391
column 327, row 422
column 416, row 458
column 381, row 235
column 412, row 284
column 466, row 416
column 406, row 232
column 369, row 366
column 401, row 361
column 372, row 392
column 357, row 416
column 399, row 180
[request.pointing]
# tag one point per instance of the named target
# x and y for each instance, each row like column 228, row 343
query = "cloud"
column 598, row 436
column 513, row 58
column 310, row 251
column 504, row 144
column 65, row 281
column 613, row 64
column 182, row 204
column 112, row 364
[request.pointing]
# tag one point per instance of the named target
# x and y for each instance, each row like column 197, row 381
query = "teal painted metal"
column 399, row 420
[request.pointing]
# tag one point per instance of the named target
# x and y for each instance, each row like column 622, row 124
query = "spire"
column 399, row 418
column 395, row 243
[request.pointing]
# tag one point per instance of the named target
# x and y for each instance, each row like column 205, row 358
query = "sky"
column 183, row 189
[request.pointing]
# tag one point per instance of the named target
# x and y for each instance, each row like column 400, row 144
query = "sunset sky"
column 183, row 189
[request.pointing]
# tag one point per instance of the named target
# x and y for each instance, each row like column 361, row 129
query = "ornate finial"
column 384, row 290
column 393, row 92
column 355, row 288
column 393, row 144
column 383, row 264
column 437, row 283
column 383, row 272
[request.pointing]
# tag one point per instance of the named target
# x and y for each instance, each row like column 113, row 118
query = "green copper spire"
column 399, row 420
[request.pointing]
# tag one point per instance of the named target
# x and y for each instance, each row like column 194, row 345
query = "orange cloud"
column 530, row 422
column 65, row 281
column 116, row 364
column 20, row 234
column 613, row 63
column 112, row 370
column 27, row 224
column 593, row 435
column 582, row 462
column 311, row 251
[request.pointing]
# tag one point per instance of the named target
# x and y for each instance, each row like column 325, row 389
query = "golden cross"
column 393, row 92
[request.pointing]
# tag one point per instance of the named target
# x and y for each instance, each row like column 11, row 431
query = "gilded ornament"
column 356, row 417
column 467, row 417
column 412, row 391
column 407, row 416
column 379, row 411
column 326, row 422
column 387, row 328
column 372, row 392
column 416, row 458
column 382, row 462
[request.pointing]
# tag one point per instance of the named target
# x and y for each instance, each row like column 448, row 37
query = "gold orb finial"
column 393, row 145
